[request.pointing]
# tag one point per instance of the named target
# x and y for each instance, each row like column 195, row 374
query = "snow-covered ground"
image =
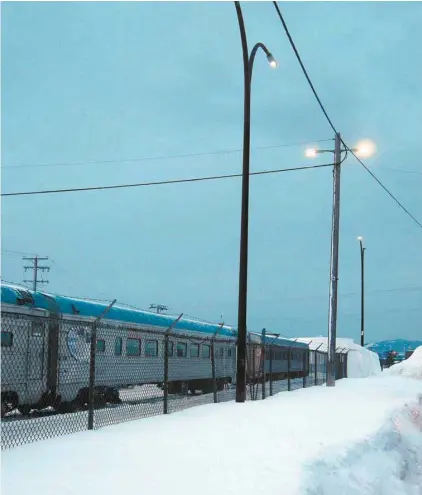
column 140, row 402
column 363, row 436
column 361, row 362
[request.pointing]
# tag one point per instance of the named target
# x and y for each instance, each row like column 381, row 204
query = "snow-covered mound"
column 361, row 362
column 361, row 437
column 411, row 367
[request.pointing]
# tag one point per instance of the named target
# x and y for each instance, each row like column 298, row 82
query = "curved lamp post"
column 248, row 61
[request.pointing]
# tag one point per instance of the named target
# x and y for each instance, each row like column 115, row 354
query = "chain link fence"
column 63, row 376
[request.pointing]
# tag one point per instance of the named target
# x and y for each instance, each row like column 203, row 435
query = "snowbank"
column 355, row 438
column 361, row 362
column 411, row 367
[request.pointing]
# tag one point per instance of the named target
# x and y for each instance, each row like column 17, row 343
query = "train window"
column 181, row 349
column 229, row 353
column 194, row 350
column 206, row 351
column 221, row 352
column 100, row 345
column 170, row 349
column 133, row 347
column 118, row 345
column 151, row 348
column 6, row 339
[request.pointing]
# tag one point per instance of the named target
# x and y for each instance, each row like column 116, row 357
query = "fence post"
column 305, row 358
column 316, row 364
column 263, row 363
column 326, row 366
column 93, row 348
column 271, row 370
column 345, row 363
column 288, row 369
column 214, row 379
column 92, row 377
column 166, row 363
column 166, row 373
column 213, row 372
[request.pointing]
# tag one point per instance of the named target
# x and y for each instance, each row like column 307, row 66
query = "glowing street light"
column 365, row 148
column 272, row 61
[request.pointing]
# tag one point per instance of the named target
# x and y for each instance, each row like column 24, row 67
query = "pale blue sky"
column 111, row 81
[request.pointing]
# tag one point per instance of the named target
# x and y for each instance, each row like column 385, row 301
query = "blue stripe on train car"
column 71, row 306
column 118, row 313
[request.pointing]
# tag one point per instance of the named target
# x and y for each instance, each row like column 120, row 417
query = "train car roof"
column 22, row 296
column 285, row 342
column 18, row 295
column 277, row 341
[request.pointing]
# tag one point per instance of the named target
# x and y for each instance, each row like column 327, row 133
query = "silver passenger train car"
column 45, row 351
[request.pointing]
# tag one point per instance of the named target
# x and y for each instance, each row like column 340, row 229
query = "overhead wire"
column 162, row 182
column 292, row 43
column 161, row 157
column 402, row 171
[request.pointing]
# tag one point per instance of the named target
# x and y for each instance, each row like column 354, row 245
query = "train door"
column 36, row 354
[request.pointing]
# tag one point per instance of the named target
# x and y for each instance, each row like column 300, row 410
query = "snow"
column 363, row 436
column 411, row 367
column 361, row 362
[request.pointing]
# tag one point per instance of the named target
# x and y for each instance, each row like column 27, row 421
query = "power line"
column 385, row 188
column 161, row 157
column 159, row 183
column 404, row 171
column 373, row 292
column 329, row 120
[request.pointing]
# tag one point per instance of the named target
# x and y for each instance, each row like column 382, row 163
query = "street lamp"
column 364, row 148
column 362, row 307
column 248, row 61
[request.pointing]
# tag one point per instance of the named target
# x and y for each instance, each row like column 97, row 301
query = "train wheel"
column 9, row 401
column 220, row 385
column 67, row 407
column 24, row 409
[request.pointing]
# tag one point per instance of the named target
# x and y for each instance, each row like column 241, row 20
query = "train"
column 46, row 351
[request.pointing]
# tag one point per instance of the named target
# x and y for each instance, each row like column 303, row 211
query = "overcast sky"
column 108, row 82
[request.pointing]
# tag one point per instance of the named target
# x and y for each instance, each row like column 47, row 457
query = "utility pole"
column 36, row 267
column 158, row 307
column 362, row 300
column 332, row 329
